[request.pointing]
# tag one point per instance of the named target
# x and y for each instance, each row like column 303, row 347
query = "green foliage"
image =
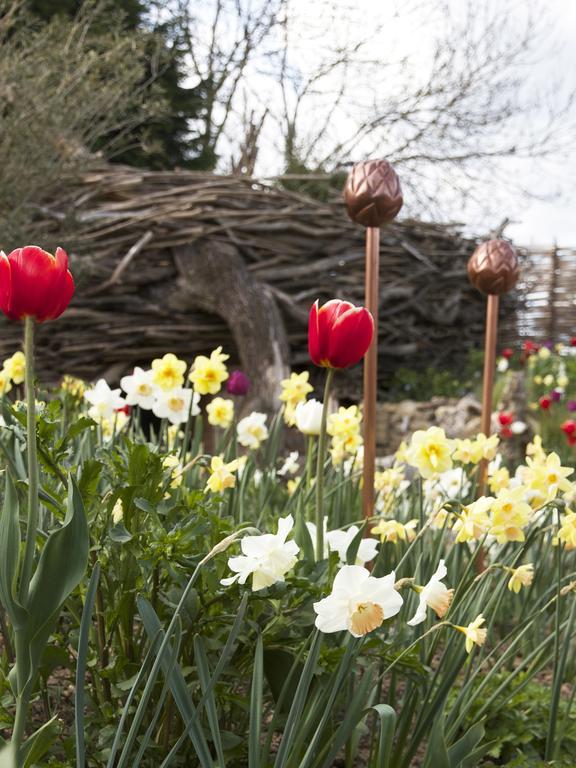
column 517, row 730
column 414, row 384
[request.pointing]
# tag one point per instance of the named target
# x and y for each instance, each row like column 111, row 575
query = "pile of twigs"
column 126, row 221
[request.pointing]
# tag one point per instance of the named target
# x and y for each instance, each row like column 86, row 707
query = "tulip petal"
column 314, row 346
column 5, row 283
column 350, row 338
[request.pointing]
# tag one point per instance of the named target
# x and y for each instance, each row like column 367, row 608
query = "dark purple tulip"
column 571, row 405
column 549, row 344
column 238, row 383
column 555, row 395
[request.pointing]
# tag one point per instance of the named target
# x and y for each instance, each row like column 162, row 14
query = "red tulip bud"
column 339, row 333
column 33, row 283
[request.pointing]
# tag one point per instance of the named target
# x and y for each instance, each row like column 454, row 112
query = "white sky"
column 544, row 221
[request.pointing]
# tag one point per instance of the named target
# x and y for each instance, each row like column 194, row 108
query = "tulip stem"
column 320, row 468
column 33, row 506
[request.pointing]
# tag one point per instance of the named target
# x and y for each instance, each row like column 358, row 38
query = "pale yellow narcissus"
column 473, row 521
column 474, row 632
column 5, row 383
column 295, row 389
column 221, row 475
column 435, row 595
column 15, row 367
column 220, row 412
column 430, row 451
column 510, row 515
column 395, row 531
column 208, row 373
column 567, row 531
column 522, row 576
column 548, row 477
column 168, row 372
column 499, row 480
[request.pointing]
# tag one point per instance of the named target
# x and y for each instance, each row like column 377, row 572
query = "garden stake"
column 373, row 198
column 493, row 270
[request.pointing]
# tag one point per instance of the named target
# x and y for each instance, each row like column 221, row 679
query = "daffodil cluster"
column 344, row 427
column 13, row 372
column 295, row 389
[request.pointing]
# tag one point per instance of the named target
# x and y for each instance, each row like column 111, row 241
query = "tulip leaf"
column 60, row 569
column 10, row 554
column 81, row 665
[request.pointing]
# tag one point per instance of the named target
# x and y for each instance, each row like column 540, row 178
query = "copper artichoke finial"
column 493, row 267
column 372, row 194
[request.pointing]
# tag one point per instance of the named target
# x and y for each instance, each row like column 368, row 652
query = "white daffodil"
column 174, row 404
column 139, row 388
column 252, row 430
column 309, row 417
column 358, row 602
column 266, row 558
column 434, row 595
column 290, row 466
column 104, row 401
column 339, row 541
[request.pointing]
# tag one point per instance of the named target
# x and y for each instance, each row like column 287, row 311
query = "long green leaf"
column 81, row 666
column 256, row 696
column 387, row 718
column 204, row 676
column 9, row 555
column 39, row 743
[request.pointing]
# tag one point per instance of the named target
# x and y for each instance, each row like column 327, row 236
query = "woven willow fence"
column 546, row 306
column 182, row 262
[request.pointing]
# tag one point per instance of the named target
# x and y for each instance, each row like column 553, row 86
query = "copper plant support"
column 373, row 198
column 493, row 269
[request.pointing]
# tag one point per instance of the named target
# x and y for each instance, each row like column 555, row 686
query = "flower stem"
column 33, row 505
column 320, row 469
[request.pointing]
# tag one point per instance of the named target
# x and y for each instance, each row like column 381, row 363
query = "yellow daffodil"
column 401, row 454
column 389, row 480
column 74, row 387
column 499, row 480
column 562, row 381
column 292, row 485
column 15, row 367
column 567, row 531
column 344, row 422
column 430, row 451
column 295, row 389
column 395, row 531
column 475, row 633
column 173, row 464
column 538, row 380
column 544, row 353
column 547, row 477
column 208, row 373
column 345, row 445
column 465, row 451
column 522, row 576
column 221, row 475
column 473, row 521
column 510, row 514
column 535, row 449
column 168, row 372
column 220, row 412
column 486, row 447
column 5, row 383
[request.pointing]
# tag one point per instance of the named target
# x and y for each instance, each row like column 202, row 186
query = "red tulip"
column 505, row 418
column 507, row 352
column 569, row 427
column 506, row 433
column 35, row 284
column 339, row 333
column 545, row 402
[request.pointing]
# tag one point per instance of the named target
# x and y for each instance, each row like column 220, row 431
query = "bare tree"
column 449, row 92
column 69, row 94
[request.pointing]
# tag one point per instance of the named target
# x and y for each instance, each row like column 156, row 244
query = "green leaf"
column 204, row 675
column 465, row 746
column 10, row 555
column 387, row 718
column 352, row 551
column 39, row 743
column 60, row 569
column 120, row 534
column 85, row 626
column 256, row 706
column 437, row 753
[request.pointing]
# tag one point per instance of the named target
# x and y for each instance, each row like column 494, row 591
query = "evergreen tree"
column 167, row 141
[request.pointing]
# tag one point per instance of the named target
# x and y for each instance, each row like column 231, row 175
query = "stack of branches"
column 128, row 224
